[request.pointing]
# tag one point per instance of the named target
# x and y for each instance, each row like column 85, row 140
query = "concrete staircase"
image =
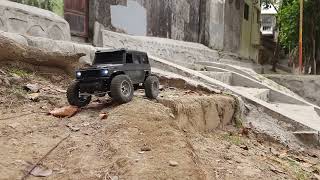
column 302, row 115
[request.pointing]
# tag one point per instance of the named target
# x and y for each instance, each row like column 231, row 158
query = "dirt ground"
column 138, row 140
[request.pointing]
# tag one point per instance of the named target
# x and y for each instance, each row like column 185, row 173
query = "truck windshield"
column 115, row 57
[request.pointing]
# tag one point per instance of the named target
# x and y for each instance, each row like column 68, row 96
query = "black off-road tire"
column 74, row 98
column 121, row 89
column 151, row 87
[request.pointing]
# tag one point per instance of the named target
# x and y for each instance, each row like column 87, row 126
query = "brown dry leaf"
column 103, row 115
column 66, row 111
column 245, row 131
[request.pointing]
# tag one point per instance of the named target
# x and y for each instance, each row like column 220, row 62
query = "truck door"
column 134, row 69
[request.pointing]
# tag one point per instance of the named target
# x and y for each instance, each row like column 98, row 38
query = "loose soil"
column 138, row 140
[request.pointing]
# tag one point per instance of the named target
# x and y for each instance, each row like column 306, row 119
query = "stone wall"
column 307, row 87
column 28, row 20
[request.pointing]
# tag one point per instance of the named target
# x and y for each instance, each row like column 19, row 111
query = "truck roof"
column 121, row 49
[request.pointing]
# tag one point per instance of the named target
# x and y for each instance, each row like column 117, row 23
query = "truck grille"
column 91, row 73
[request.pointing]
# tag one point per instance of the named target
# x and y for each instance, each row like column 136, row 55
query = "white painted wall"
column 131, row 18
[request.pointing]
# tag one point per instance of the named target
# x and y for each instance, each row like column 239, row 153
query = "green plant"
column 51, row 5
column 19, row 72
column 236, row 140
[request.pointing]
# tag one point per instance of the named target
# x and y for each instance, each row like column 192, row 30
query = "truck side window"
column 129, row 59
column 136, row 59
column 144, row 59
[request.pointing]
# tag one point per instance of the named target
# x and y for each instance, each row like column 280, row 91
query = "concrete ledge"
column 306, row 86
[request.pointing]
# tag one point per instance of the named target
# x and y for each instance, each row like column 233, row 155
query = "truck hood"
column 102, row 66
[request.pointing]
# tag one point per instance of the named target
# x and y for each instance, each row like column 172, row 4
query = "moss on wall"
column 52, row 5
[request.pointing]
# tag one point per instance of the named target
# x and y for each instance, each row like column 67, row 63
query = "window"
column 246, row 11
column 129, row 58
column 108, row 57
column 136, row 59
column 144, row 59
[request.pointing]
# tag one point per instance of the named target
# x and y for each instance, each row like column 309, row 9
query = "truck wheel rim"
column 125, row 88
column 82, row 98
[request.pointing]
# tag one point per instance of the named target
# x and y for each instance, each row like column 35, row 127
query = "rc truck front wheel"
column 74, row 97
column 121, row 89
column 151, row 87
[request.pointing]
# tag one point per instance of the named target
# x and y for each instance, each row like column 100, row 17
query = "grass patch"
column 236, row 140
column 297, row 171
column 18, row 92
column 20, row 72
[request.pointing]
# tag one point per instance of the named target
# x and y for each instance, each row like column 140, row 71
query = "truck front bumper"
column 93, row 86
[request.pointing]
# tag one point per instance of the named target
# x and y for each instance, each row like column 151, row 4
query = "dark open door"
column 76, row 13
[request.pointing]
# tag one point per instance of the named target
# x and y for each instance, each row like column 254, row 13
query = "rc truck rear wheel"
column 151, row 87
column 121, row 89
column 74, row 97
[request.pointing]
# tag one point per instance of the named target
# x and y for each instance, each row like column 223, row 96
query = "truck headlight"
column 105, row 72
column 78, row 74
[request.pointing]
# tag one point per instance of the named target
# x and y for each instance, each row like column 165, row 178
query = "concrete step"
column 262, row 94
column 308, row 137
column 304, row 114
column 225, row 77
column 295, row 111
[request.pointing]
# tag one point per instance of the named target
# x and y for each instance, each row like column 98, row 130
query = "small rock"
column 85, row 124
column 277, row 171
column 2, row 72
column 114, row 177
column 145, row 148
column 226, row 157
column 6, row 82
column 230, row 161
column 14, row 125
column 73, row 128
column 33, row 88
column 34, row 97
column 173, row 163
column 244, row 147
column 43, row 107
column 40, row 171
column 141, row 152
column 136, row 160
column 172, row 88
column 172, row 116
column 103, row 115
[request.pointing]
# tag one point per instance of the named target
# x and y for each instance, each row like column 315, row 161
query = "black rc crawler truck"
column 116, row 72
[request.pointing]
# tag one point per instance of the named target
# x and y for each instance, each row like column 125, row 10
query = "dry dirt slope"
column 139, row 140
